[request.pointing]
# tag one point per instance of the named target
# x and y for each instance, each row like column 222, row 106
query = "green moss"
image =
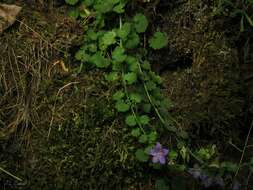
column 208, row 95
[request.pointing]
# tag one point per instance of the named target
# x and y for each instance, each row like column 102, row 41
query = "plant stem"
column 8, row 173
column 244, row 149
column 132, row 110
column 150, row 100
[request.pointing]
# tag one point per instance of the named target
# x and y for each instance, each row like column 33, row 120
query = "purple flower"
column 195, row 172
column 159, row 154
column 236, row 185
column 219, row 181
column 206, row 181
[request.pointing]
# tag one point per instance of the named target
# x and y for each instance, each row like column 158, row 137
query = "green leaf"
column 141, row 155
column 74, row 13
column 92, row 47
column 118, row 95
column 118, row 54
column 184, row 153
column 116, row 66
column 229, row 166
column 109, row 38
column 179, row 167
column 132, row 63
column 113, row 76
column 146, row 65
column 87, row 2
column 140, row 23
column 146, row 108
column 121, row 106
column 131, row 120
column 133, row 41
column 147, row 149
column 85, row 13
column 159, row 40
column 157, row 79
column 204, row 154
column 136, row 132
column 144, row 119
column 100, row 20
column 130, row 78
column 124, row 31
column 157, row 94
column 119, row 8
column 91, row 34
column 152, row 137
column 81, row 55
column 249, row 19
column 71, row 2
column 150, row 85
column 242, row 24
column 99, row 60
column 105, row 5
column 136, row 98
column 143, row 138
column 173, row 155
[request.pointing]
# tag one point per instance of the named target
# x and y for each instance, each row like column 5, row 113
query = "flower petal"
column 152, row 152
column 236, row 185
column 162, row 159
column 195, row 172
column 155, row 159
column 219, row 181
column 158, row 146
column 165, row 151
column 207, row 182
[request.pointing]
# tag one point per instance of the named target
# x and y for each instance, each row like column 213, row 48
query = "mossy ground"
column 58, row 128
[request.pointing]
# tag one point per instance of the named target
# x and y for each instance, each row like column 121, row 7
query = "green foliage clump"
column 116, row 43
column 113, row 50
column 243, row 9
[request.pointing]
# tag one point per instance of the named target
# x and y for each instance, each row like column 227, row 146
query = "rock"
column 8, row 14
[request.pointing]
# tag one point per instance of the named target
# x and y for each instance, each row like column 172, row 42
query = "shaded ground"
column 60, row 123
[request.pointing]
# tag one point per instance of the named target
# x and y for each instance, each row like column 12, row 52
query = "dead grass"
column 32, row 70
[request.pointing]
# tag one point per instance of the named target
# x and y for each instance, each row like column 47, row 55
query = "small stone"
column 8, row 14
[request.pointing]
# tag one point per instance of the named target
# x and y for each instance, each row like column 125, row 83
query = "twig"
column 41, row 37
column 248, row 178
column 53, row 111
column 8, row 173
column 244, row 149
column 236, row 147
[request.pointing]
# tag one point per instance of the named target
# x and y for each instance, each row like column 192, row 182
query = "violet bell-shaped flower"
column 159, row 154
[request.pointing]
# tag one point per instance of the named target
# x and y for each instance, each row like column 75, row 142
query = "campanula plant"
column 118, row 43
column 159, row 154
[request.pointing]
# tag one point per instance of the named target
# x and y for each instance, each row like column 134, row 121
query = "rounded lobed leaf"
column 121, row 106
column 118, row 95
column 141, row 155
column 118, row 54
column 158, row 41
column 140, row 23
column 135, row 97
column 99, row 60
column 143, row 138
column 130, row 78
column 144, row 119
column 131, row 120
column 136, row 132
